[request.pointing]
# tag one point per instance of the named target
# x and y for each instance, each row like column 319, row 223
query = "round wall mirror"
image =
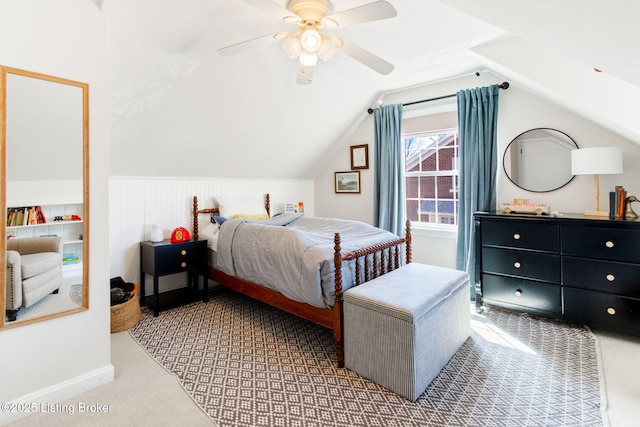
column 539, row 160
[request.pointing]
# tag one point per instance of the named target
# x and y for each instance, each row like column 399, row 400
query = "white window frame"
column 428, row 228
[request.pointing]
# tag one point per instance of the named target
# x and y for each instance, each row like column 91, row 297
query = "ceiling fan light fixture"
column 292, row 47
column 280, row 36
column 327, row 50
column 308, row 59
column 311, row 40
column 291, row 20
column 329, row 23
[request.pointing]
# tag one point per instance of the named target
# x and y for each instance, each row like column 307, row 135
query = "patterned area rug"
column 247, row 364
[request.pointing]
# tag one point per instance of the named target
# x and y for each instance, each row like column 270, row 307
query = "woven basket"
column 127, row 314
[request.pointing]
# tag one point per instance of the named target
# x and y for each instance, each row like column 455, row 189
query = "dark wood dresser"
column 568, row 267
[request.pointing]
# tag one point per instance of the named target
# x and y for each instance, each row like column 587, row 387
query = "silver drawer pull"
column 516, row 236
column 517, row 264
column 183, row 252
column 611, row 277
column 518, row 293
column 611, row 311
column 183, row 265
column 609, row 244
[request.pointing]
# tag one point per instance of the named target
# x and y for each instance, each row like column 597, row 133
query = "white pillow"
column 210, row 232
column 230, row 206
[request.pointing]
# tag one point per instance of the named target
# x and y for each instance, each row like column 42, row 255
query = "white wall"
column 519, row 110
column 52, row 360
column 137, row 203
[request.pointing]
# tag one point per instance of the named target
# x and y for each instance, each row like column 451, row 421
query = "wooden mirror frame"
column 4, row 71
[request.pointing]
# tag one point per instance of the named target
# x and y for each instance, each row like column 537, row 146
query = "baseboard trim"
column 55, row 394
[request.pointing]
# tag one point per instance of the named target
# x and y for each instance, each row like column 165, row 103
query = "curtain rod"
column 504, row 85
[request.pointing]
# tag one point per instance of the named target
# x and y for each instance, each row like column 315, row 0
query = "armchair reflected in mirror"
column 44, row 142
column 539, row 160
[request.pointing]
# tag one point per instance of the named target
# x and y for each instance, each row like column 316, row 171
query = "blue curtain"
column 388, row 185
column 477, row 125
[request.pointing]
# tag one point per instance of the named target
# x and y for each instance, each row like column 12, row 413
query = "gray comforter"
column 293, row 254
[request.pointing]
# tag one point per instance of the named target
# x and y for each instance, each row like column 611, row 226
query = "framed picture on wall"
column 347, row 182
column 360, row 156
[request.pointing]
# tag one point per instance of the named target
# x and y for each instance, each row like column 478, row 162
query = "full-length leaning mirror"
column 44, row 152
column 539, row 160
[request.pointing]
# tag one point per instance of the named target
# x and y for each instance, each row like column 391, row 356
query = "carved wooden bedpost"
column 339, row 331
column 408, row 241
column 195, row 217
column 267, row 204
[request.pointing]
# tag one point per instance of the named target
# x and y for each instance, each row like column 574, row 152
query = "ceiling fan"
column 308, row 42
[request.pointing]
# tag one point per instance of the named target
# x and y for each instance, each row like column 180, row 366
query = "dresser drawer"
column 528, row 265
column 604, row 243
column 515, row 234
column 606, row 276
column 509, row 291
column 602, row 309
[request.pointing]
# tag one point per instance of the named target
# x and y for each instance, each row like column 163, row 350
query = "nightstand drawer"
column 604, row 243
column 524, row 293
column 602, row 309
column 177, row 265
column 515, row 234
column 606, row 276
column 524, row 264
column 177, row 251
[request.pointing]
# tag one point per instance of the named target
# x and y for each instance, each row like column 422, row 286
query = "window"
column 431, row 177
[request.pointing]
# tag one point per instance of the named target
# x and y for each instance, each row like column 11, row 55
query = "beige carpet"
column 142, row 394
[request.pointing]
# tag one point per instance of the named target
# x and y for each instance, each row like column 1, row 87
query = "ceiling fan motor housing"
column 310, row 10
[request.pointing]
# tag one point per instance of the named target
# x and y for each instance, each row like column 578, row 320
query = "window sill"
column 438, row 232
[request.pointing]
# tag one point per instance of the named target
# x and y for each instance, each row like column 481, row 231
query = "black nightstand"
column 164, row 258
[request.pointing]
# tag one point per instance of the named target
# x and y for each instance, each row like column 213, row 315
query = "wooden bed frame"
column 388, row 259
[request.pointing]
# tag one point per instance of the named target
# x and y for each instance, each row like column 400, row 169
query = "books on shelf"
column 71, row 258
column 617, row 199
column 27, row 215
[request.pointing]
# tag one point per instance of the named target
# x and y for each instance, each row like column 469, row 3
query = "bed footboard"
column 370, row 262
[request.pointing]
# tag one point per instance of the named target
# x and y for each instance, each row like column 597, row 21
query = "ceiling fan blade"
column 270, row 7
column 367, row 58
column 246, row 45
column 305, row 75
column 366, row 13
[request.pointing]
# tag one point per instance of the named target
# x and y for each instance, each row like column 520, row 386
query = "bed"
column 296, row 263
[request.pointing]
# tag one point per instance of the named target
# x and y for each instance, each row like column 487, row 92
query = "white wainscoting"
column 136, row 203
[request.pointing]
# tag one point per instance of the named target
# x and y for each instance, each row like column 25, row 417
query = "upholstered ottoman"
column 401, row 328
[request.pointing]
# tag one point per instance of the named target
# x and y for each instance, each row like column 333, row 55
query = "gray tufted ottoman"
column 401, row 328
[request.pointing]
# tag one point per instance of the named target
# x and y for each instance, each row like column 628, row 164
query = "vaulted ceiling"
column 179, row 108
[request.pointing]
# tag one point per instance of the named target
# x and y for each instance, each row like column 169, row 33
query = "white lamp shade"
column 596, row 161
column 310, row 40
column 292, row 47
column 327, row 50
column 308, row 59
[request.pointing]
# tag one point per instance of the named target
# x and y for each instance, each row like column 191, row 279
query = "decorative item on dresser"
column 596, row 161
column 360, row 263
column 567, row 267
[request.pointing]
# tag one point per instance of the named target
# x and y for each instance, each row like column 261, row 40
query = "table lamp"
column 596, row 161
